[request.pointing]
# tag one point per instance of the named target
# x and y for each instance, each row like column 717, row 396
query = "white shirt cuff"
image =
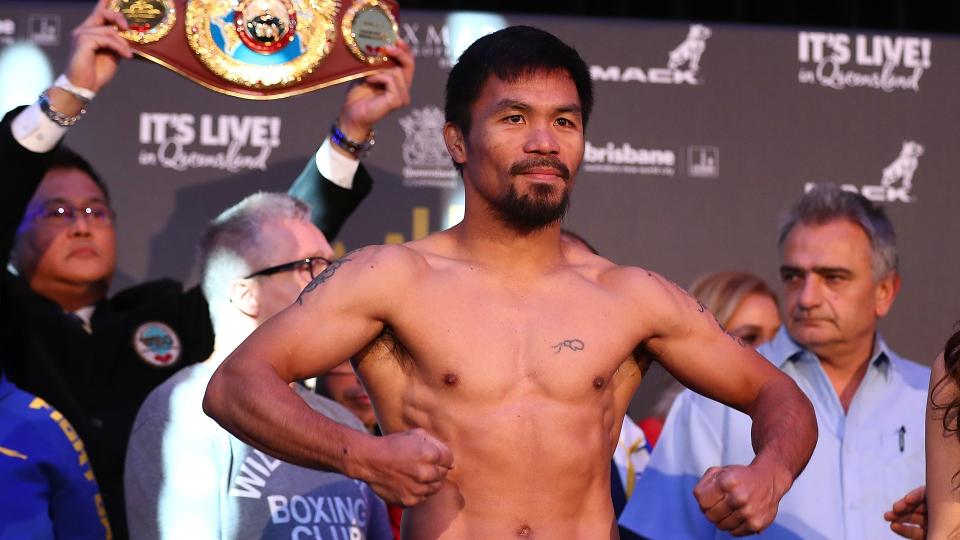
column 336, row 167
column 34, row 131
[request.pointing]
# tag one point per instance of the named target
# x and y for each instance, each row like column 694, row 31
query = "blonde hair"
column 723, row 292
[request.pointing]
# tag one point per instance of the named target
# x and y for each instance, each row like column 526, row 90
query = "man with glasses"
column 186, row 477
column 96, row 358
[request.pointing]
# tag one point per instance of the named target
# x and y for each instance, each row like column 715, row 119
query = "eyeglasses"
column 313, row 265
column 58, row 214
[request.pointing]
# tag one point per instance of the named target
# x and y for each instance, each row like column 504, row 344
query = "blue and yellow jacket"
column 48, row 487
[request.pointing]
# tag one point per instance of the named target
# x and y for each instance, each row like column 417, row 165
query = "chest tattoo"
column 574, row 345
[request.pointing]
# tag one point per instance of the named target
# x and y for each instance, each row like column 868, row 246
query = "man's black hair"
column 510, row 54
column 65, row 158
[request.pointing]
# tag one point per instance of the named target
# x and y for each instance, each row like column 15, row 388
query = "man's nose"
column 80, row 225
column 542, row 140
column 810, row 293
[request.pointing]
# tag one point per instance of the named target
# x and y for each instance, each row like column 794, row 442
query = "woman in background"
column 743, row 304
column 943, row 444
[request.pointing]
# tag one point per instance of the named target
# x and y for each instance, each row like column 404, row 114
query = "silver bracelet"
column 62, row 120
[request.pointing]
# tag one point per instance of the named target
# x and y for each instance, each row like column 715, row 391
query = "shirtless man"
column 500, row 361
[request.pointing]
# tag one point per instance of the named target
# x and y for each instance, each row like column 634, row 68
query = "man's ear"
column 886, row 292
column 244, row 295
column 454, row 139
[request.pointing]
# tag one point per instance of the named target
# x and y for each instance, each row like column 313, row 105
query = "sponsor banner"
column 667, row 106
column 44, row 30
column 444, row 42
column 839, row 60
column 896, row 179
column 703, row 161
column 428, row 41
column 426, row 162
column 184, row 141
column 682, row 63
column 623, row 158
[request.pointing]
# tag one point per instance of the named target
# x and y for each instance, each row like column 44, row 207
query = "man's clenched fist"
column 739, row 499
column 406, row 468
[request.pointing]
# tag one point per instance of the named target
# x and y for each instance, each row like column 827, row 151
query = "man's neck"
column 498, row 245
column 229, row 336
column 70, row 296
column 846, row 365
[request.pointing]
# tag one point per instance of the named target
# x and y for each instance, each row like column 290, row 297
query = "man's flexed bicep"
column 328, row 322
column 690, row 343
column 338, row 313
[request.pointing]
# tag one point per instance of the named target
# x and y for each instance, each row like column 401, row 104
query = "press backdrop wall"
column 701, row 136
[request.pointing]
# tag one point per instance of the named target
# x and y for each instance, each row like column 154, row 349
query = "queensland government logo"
column 896, row 179
column 839, row 60
column 683, row 63
column 183, row 141
column 426, row 162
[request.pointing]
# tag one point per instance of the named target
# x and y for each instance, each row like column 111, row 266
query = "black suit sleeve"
column 330, row 204
column 22, row 172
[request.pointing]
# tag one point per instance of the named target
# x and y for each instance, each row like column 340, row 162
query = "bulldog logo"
column 902, row 168
column 690, row 51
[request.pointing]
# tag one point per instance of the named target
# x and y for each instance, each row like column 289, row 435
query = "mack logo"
column 641, row 75
column 896, row 179
column 683, row 63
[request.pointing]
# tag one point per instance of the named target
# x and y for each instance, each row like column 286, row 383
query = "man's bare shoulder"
column 392, row 256
column 642, row 285
column 370, row 270
column 664, row 305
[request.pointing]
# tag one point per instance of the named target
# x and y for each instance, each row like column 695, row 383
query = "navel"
column 523, row 531
column 598, row 382
column 450, row 379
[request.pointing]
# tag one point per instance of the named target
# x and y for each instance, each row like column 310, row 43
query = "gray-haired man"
column 839, row 272
column 185, row 476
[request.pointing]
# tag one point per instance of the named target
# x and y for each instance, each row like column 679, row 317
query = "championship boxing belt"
column 262, row 49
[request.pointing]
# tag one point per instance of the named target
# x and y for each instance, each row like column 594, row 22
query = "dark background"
column 914, row 15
